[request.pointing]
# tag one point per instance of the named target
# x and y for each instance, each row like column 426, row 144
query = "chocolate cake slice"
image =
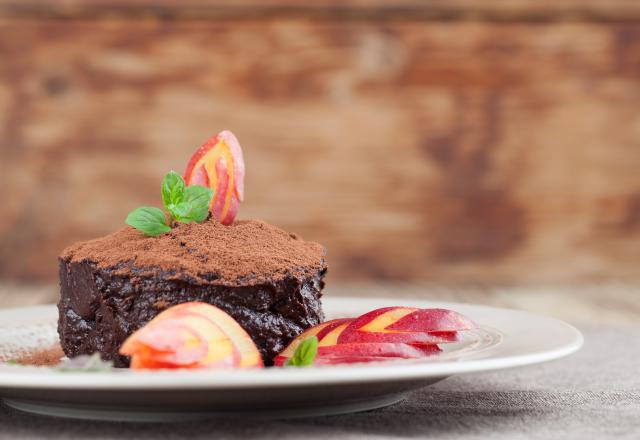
column 270, row 281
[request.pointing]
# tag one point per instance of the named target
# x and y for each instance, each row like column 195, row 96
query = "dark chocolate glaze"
column 100, row 307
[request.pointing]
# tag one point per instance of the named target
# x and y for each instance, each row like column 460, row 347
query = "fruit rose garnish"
column 191, row 335
column 219, row 165
column 382, row 334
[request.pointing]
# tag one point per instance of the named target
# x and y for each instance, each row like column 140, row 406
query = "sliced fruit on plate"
column 406, row 325
column 433, row 321
column 192, row 335
column 219, row 165
column 371, row 352
column 329, row 335
column 320, row 331
column 384, row 349
column 382, row 334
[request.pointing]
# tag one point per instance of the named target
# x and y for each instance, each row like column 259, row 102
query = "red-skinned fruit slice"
column 404, row 325
column 320, row 331
column 329, row 360
column 428, row 349
column 192, row 335
column 395, row 350
column 382, row 334
column 433, row 321
column 370, row 352
column 219, row 165
column 330, row 334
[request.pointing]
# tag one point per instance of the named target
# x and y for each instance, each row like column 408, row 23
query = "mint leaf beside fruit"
column 151, row 221
column 180, row 211
column 184, row 204
column 199, row 198
column 305, row 354
column 172, row 188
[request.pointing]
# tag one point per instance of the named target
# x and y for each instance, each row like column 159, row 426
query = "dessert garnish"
column 184, row 204
column 199, row 335
column 219, row 165
column 213, row 182
column 85, row 363
column 305, row 354
column 191, row 335
column 382, row 334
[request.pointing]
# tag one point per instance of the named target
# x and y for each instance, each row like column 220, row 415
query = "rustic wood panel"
column 456, row 151
column 488, row 10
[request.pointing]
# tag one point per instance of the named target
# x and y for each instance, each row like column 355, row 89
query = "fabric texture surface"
column 594, row 393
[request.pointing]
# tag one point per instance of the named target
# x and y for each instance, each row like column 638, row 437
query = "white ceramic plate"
column 506, row 338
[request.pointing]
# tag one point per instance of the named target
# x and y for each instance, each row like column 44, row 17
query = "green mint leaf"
column 194, row 207
column 12, row 362
column 172, row 189
column 200, row 199
column 305, row 354
column 85, row 363
column 151, row 221
column 180, row 211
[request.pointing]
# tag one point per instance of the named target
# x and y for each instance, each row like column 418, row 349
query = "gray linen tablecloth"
column 590, row 395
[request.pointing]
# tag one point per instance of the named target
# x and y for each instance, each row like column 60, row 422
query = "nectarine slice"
column 433, row 321
column 319, row 331
column 219, row 165
column 384, row 349
column 400, row 325
column 192, row 335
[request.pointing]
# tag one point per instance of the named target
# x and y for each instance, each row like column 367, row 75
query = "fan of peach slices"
column 198, row 335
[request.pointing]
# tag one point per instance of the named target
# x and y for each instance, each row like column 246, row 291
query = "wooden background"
column 424, row 141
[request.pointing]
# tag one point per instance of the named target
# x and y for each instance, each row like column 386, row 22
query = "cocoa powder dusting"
column 247, row 252
column 44, row 357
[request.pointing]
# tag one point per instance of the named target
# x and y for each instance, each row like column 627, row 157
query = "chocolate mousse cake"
column 268, row 280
